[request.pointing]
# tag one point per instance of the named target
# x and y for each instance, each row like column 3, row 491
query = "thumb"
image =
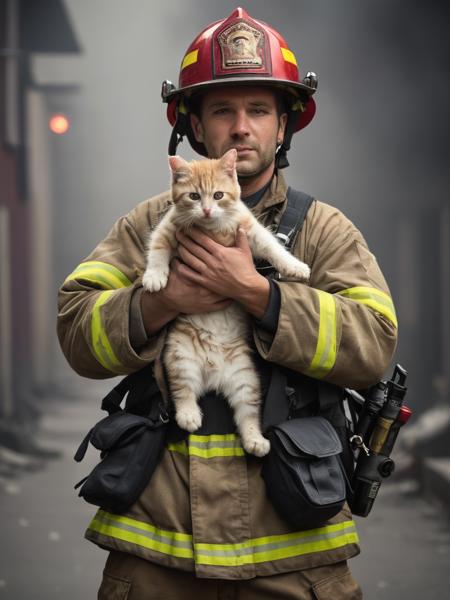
column 241, row 239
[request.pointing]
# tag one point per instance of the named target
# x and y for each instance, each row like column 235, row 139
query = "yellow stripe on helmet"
column 189, row 59
column 288, row 56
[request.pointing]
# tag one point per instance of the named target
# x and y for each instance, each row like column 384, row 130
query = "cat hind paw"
column 190, row 420
column 258, row 446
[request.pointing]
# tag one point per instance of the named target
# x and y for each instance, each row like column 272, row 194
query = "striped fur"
column 212, row 351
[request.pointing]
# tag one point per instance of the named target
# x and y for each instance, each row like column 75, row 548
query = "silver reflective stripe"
column 295, row 541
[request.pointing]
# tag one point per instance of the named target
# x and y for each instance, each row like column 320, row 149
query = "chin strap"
column 175, row 139
column 281, row 161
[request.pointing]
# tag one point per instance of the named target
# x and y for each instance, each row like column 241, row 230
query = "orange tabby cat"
column 212, row 351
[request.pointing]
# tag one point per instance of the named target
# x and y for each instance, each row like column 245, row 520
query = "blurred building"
column 27, row 27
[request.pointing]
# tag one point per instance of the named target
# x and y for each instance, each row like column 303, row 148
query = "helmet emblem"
column 241, row 46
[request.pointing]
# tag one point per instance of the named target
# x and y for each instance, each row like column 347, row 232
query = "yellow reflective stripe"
column 100, row 343
column 103, row 274
column 209, row 446
column 279, row 554
column 375, row 299
column 256, row 550
column 214, row 437
column 142, row 534
column 215, row 452
column 289, row 56
column 325, row 355
column 277, row 547
column 189, row 59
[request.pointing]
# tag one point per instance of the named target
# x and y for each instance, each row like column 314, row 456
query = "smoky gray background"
column 377, row 148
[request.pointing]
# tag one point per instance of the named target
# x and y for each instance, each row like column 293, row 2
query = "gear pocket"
column 339, row 587
column 113, row 588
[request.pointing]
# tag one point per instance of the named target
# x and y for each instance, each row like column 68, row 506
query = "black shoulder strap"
column 291, row 221
column 142, row 390
column 276, row 405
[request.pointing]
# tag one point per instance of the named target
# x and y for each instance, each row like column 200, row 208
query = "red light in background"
column 59, row 124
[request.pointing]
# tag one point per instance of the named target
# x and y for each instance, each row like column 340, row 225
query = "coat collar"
column 275, row 194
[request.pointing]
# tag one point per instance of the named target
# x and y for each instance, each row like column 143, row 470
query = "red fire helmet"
column 238, row 50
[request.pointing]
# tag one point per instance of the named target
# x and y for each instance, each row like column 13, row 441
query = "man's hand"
column 226, row 271
column 181, row 295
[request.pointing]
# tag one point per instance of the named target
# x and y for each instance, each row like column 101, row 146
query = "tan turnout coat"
column 205, row 508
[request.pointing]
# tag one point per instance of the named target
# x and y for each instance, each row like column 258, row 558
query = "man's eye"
column 218, row 195
column 221, row 111
column 194, row 196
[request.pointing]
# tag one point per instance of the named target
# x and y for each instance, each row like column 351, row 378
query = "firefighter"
column 204, row 528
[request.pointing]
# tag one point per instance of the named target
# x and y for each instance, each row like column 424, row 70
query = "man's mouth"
column 243, row 149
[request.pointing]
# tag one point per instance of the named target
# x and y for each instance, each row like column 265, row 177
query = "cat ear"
column 179, row 168
column 228, row 161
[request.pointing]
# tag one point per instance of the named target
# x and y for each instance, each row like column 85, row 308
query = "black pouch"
column 130, row 446
column 304, row 476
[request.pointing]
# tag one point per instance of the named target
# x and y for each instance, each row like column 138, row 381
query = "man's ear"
column 281, row 127
column 197, row 128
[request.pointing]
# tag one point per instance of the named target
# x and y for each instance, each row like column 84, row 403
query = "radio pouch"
column 304, row 476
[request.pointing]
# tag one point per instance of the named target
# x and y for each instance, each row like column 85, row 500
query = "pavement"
column 405, row 540
column 434, row 475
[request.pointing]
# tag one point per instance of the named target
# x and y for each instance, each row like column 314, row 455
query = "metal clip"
column 167, row 90
column 163, row 414
column 284, row 238
column 357, row 443
column 311, row 80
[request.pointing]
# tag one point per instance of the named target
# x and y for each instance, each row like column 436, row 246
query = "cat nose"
column 206, row 211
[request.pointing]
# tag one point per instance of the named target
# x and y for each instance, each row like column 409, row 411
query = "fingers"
column 220, row 305
column 188, row 279
column 199, row 244
column 241, row 239
column 190, row 259
column 190, row 274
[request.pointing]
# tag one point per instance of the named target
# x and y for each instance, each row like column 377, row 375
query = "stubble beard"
column 263, row 164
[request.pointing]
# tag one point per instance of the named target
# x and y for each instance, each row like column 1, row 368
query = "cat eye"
column 194, row 196
column 218, row 195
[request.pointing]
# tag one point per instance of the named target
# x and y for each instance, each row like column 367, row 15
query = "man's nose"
column 240, row 126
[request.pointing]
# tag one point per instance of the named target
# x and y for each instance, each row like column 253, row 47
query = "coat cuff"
column 269, row 321
column 138, row 335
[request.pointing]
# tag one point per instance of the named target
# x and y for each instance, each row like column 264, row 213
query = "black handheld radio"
column 380, row 420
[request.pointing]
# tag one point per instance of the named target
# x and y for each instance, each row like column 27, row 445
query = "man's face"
column 244, row 118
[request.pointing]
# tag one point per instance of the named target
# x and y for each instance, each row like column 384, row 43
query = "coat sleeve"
column 94, row 305
column 340, row 327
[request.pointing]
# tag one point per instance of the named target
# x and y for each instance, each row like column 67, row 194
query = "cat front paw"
column 189, row 419
column 296, row 269
column 258, row 445
column 155, row 280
